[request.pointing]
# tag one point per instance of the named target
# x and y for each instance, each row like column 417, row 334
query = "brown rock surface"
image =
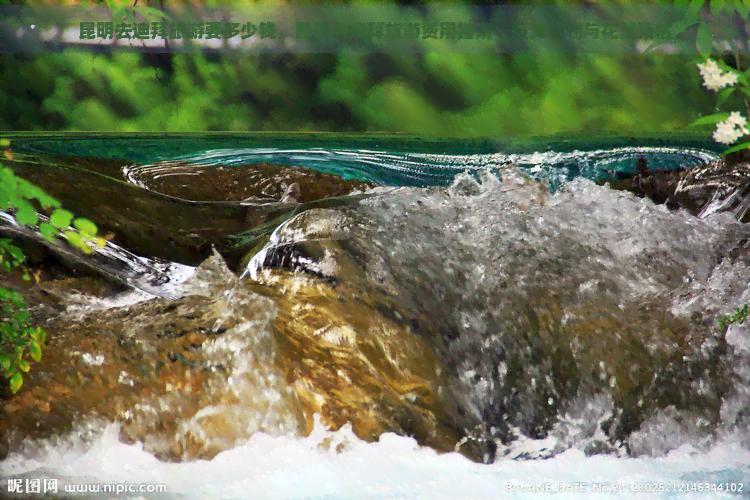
column 198, row 375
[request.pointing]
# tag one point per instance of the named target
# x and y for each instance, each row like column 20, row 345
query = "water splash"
column 423, row 169
column 499, row 273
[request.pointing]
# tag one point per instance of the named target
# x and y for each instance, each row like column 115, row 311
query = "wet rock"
column 257, row 183
column 598, row 448
column 722, row 186
column 188, row 394
column 288, row 349
column 291, row 194
column 175, row 210
column 560, row 316
column 349, row 363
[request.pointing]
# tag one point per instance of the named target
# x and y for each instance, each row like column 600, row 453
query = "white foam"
column 395, row 467
column 93, row 360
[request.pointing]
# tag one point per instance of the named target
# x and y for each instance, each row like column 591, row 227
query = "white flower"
column 728, row 79
column 731, row 129
column 713, row 77
column 709, row 67
column 725, row 133
column 735, row 118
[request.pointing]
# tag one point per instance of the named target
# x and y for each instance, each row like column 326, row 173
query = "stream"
column 422, row 319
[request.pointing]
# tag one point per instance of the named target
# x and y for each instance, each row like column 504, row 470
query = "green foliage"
column 737, row 147
column 436, row 92
column 739, row 316
column 20, row 341
column 10, row 255
column 19, row 195
column 710, row 119
column 724, row 20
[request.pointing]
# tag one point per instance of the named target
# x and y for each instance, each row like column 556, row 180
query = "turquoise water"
column 387, row 159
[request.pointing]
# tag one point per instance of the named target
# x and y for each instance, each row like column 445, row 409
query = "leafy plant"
column 20, row 341
column 11, row 257
column 18, row 195
column 739, row 316
column 448, row 92
column 716, row 73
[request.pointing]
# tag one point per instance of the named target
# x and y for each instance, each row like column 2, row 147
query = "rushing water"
column 481, row 256
column 389, row 160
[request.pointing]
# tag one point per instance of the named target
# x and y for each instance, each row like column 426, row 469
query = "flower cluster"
column 714, row 78
column 731, row 129
column 734, row 127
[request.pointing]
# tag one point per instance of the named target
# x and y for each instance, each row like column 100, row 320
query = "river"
column 495, row 297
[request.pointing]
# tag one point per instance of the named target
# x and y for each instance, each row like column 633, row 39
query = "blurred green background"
column 445, row 94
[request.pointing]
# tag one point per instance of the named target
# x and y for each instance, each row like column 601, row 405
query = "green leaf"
column 726, row 68
column 742, row 9
column 16, row 253
column 77, row 241
column 22, row 316
column 48, row 231
column 680, row 26
column 723, row 95
column 6, row 174
column 26, row 214
column 742, row 79
column 671, row 33
column 745, row 90
column 36, row 351
column 4, row 362
column 150, row 13
column 123, row 14
column 710, row 119
column 716, row 6
column 31, row 191
column 12, row 296
column 16, row 382
column 6, row 196
column 4, row 142
column 24, row 366
column 695, row 7
column 704, row 40
column 85, row 226
column 61, row 218
column 34, row 335
column 738, row 147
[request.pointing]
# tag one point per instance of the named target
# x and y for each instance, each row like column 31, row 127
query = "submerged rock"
column 256, row 183
column 176, row 210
